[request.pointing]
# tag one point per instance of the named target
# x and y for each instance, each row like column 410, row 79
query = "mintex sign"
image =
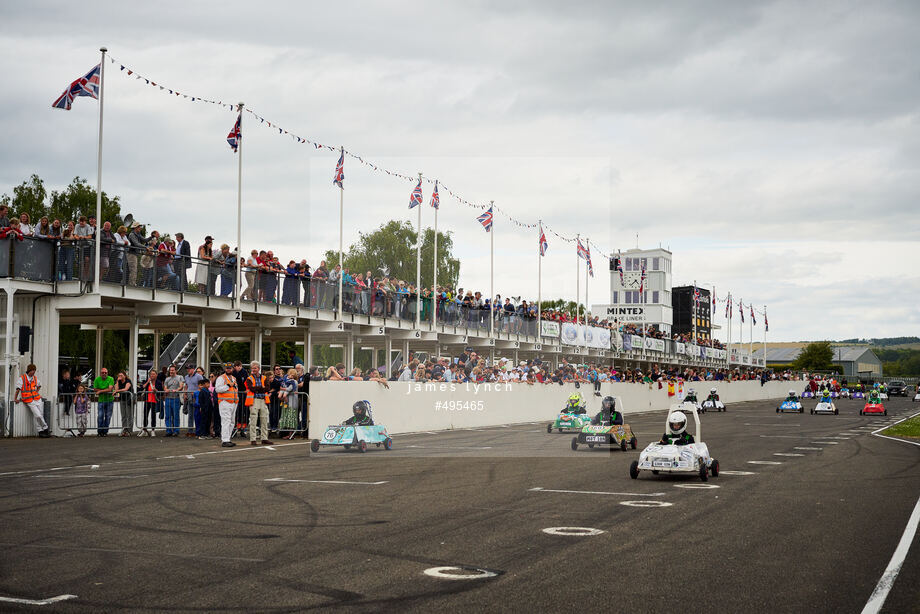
column 620, row 313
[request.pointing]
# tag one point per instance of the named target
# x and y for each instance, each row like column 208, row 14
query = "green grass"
column 908, row 428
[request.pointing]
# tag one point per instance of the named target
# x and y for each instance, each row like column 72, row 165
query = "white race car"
column 712, row 402
column 689, row 458
column 917, row 396
column 825, row 406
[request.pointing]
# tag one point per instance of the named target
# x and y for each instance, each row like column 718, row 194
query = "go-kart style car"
column 825, row 406
column 713, row 404
column 567, row 420
column 873, row 408
column 859, row 394
column 615, row 436
column 690, row 458
column 808, row 394
column 844, row 393
column 357, row 436
column 790, row 406
column 917, row 396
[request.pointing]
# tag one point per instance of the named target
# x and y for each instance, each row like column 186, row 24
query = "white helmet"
column 713, row 390
column 677, row 422
column 792, row 392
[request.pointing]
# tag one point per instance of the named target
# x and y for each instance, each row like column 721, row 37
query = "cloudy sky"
column 774, row 147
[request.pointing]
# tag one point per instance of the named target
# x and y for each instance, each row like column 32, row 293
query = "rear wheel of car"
column 362, row 446
column 704, row 472
column 549, row 428
column 388, row 443
column 860, row 412
column 835, row 411
column 885, row 413
column 812, row 411
column 347, row 446
column 560, row 430
column 654, row 472
column 777, row 410
column 714, row 468
column 633, row 443
column 590, row 446
column 574, row 443
column 634, row 470
column 314, row 445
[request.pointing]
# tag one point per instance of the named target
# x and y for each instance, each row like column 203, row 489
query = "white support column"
column 350, row 354
column 132, row 351
column 374, row 362
column 7, row 361
column 255, row 351
column 273, row 358
column 156, row 350
column 406, row 352
column 388, row 355
column 99, row 347
column 204, row 348
column 308, row 349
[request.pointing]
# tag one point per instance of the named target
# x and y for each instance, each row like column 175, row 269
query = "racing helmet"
column 575, row 399
column 792, row 393
column 608, row 404
column 713, row 390
column 361, row 408
column 677, row 422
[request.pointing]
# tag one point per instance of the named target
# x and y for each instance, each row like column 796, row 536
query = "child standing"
column 81, row 408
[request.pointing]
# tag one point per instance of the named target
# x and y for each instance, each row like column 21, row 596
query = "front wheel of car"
column 362, row 446
column 314, row 445
column 704, row 472
column 714, row 468
column 549, row 428
column 634, row 470
column 388, row 443
column 574, row 443
column 633, row 443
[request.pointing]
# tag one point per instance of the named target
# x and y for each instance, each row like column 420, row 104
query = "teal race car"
column 573, row 417
column 357, row 431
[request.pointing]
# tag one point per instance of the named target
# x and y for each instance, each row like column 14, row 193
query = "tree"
column 815, row 356
column 560, row 304
column 390, row 251
column 78, row 198
column 29, row 197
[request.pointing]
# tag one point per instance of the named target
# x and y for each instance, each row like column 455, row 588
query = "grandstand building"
column 627, row 306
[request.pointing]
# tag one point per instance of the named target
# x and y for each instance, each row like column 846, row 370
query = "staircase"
column 182, row 350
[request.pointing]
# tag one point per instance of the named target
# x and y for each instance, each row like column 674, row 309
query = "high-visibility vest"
column 30, row 389
column 250, row 395
column 231, row 394
column 151, row 393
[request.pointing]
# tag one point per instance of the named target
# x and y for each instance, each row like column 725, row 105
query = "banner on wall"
column 549, row 329
column 656, row 345
column 572, row 334
column 627, row 343
column 680, row 348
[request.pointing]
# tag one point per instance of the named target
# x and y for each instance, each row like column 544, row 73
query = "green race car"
column 573, row 417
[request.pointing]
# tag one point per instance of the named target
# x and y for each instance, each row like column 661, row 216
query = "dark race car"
column 897, row 388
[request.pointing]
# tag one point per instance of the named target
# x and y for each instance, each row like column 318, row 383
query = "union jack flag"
column 741, row 310
column 543, row 244
column 340, row 171
column 87, row 85
column 696, row 296
column 236, row 135
column 753, row 319
column 416, row 198
column 713, row 299
column 585, row 253
column 728, row 304
column 642, row 283
column 620, row 267
column 486, row 220
column 766, row 322
column 435, row 199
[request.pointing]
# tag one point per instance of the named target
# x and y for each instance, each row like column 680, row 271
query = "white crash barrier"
column 408, row 407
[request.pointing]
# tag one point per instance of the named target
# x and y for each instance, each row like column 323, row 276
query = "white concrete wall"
column 407, row 407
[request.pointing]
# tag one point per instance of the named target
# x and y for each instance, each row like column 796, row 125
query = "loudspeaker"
column 25, row 333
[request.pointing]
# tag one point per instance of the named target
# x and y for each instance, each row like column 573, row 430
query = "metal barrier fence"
column 147, row 412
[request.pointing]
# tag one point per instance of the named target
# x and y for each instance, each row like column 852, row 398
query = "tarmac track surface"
column 185, row 526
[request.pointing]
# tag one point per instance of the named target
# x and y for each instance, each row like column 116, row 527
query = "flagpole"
column 539, row 281
column 492, row 272
column 434, row 284
column 341, row 240
column 418, row 265
column 764, row 336
column 587, row 270
column 239, row 215
column 98, row 265
column 752, row 334
column 577, row 284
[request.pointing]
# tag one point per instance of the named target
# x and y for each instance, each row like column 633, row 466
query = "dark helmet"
column 608, row 404
column 360, row 408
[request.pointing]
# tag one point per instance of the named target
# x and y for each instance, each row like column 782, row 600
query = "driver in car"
column 713, row 395
column 608, row 415
column 874, row 397
column 793, row 397
column 575, row 404
column 360, row 414
column 676, row 434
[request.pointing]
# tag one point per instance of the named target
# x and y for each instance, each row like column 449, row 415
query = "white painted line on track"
column 453, row 447
column 450, row 573
column 787, row 454
column 599, row 492
column 327, row 481
column 729, row 472
column 646, row 503
column 806, row 448
column 47, row 601
column 827, row 443
column 697, row 486
column 238, row 449
column 877, row 432
column 774, row 425
column 765, row 463
column 878, row 596
column 785, row 436
column 573, row 531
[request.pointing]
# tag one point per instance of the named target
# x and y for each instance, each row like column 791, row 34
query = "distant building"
column 686, row 310
column 856, row 361
column 627, row 306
